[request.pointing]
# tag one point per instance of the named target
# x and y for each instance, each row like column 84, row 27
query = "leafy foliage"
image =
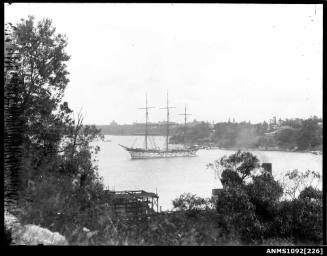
column 237, row 167
column 189, row 202
column 295, row 181
column 299, row 219
column 255, row 208
column 59, row 181
column 264, row 193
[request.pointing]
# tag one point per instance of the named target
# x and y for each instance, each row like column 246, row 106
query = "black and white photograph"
column 169, row 124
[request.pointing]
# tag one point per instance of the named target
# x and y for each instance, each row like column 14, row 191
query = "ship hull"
column 148, row 154
column 163, row 154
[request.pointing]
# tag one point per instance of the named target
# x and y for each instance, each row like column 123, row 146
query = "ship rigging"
column 144, row 153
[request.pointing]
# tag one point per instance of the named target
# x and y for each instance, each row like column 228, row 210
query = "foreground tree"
column 59, row 182
column 41, row 70
column 251, row 202
column 237, row 167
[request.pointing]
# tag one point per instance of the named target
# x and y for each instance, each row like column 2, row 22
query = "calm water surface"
column 171, row 177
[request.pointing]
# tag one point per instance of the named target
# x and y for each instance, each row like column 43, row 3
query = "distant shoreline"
column 317, row 152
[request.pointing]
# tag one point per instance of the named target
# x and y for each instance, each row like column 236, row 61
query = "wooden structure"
column 132, row 203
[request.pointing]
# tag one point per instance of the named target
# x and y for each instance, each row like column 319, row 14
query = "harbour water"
column 171, row 177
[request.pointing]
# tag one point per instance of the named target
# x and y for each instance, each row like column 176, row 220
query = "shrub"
column 254, row 210
column 310, row 193
column 190, row 202
column 299, row 219
column 230, row 178
column 237, row 214
column 264, row 193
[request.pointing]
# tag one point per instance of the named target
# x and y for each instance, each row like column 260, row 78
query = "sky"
column 249, row 62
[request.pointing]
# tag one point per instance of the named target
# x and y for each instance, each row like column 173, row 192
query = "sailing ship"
column 144, row 153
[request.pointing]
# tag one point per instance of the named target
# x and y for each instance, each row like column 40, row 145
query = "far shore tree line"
column 51, row 176
column 289, row 134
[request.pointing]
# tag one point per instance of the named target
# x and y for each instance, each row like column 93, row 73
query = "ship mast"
column 146, row 121
column 184, row 132
column 167, row 126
